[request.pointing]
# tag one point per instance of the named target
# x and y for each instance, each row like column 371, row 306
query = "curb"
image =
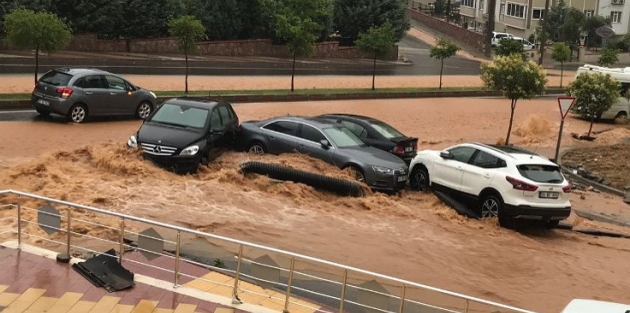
column 600, row 218
column 248, row 98
column 585, row 181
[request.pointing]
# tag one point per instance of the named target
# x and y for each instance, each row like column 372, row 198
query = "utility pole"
column 543, row 36
column 492, row 5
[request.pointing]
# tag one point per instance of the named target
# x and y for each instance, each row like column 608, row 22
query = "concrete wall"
column 466, row 36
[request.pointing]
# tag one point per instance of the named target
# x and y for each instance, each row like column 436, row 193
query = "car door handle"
column 271, row 138
column 88, row 92
column 486, row 175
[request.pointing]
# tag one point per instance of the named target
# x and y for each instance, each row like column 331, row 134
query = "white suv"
column 503, row 181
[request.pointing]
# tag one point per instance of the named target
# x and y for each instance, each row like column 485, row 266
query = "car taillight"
column 398, row 149
column 520, row 185
column 65, row 92
column 567, row 188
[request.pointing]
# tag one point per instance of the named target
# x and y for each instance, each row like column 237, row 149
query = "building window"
column 589, row 13
column 537, row 14
column 615, row 16
column 468, row 3
column 515, row 10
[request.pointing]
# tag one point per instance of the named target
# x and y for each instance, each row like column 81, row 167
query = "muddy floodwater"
column 412, row 236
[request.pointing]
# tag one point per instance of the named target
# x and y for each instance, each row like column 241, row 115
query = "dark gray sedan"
column 329, row 142
column 78, row 93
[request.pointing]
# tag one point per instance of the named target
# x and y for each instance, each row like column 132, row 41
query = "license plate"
column 409, row 149
column 402, row 178
column 44, row 102
column 548, row 195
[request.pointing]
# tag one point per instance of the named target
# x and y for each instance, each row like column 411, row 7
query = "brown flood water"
column 412, row 236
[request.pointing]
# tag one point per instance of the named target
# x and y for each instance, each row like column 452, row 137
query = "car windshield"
column 386, row 130
column 56, row 78
column 180, row 116
column 342, row 137
column 541, row 173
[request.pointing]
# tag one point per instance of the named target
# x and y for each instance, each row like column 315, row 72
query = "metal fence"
column 245, row 271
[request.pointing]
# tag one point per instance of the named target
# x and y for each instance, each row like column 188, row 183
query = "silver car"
column 77, row 93
column 329, row 142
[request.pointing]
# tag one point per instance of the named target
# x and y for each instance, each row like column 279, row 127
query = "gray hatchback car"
column 329, row 142
column 77, row 93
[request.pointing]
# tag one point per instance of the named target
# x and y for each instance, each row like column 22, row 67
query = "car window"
column 487, row 160
column 115, row 82
column 343, row 137
column 462, row 154
column 56, row 78
column 180, row 115
column 92, row 81
column 355, row 128
column 215, row 120
column 289, row 128
column 311, row 133
column 541, row 173
column 225, row 115
column 386, row 130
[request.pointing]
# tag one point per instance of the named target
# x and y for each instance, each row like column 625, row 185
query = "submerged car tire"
column 357, row 173
column 143, row 110
column 492, row 206
column 256, row 147
column 321, row 182
column 78, row 113
column 419, row 179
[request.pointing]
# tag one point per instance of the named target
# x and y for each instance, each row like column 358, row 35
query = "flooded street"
column 411, row 236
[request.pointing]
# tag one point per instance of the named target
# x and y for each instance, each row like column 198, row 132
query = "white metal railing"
column 412, row 297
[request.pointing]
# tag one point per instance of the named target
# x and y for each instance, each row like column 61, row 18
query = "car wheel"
column 77, row 114
column 357, row 173
column 42, row 112
column 143, row 110
column 419, row 179
column 621, row 118
column 490, row 207
column 257, row 148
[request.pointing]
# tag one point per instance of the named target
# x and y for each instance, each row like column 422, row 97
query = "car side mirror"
column 446, row 155
column 325, row 144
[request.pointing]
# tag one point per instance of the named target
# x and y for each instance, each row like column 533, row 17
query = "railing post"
column 19, row 222
column 287, row 300
column 69, row 231
column 402, row 299
column 235, row 298
column 342, row 299
column 177, row 247
column 467, row 304
column 121, row 246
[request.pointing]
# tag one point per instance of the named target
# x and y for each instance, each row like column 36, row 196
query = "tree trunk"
column 490, row 26
column 186, row 79
column 36, row 63
column 545, row 33
column 441, row 71
column 512, row 107
column 561, row 73
column 293, row 73
column 374, row 72
column 590, row 129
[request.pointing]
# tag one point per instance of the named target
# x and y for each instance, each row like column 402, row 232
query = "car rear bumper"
column 540, row 213
column 59, row 106
column 177, row 164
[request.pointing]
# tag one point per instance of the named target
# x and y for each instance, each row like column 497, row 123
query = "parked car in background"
column 502, row 181
column 79, row 93
column 526, row 44
column 184, row 132
column 377, row 134
column 329, row 142
column 621, row 108
column 592, row 306
column 497, row 36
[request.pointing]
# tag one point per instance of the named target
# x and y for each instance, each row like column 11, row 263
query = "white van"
column 526, row 44
column 595, row 306
column 621, row 109
column 497, row 36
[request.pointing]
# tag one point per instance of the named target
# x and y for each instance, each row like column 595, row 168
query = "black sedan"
column 377, row 134
column 329, row 142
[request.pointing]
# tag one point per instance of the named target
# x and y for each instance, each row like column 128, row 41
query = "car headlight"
column 132, row 142
column 153, row 94
column 192, row 150
column 380, row 169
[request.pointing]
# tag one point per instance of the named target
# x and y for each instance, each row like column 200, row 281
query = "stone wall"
column 466, row 36
column 256, row 47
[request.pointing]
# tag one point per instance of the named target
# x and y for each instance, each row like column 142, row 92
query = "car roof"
column 199, row 103
column 350, row 117
column 81, row 71
column 313, row 121
column 517, row 155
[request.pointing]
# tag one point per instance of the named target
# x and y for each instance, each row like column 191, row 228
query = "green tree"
column 515, row 78
column 188, row 29
column 145, row 19
column 102, row 17
column 296, row 26
column 572, row 26
column 590, row 25
column 608, row 56
column 594, row 94
column 41, row 31
column 509, row 46
column 561, row 53
column 555, row 20
column 354, row 17
column 439, row 7
column 443, row 49
column 378, row 41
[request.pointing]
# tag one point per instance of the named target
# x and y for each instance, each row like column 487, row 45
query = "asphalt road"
column 412, row 48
